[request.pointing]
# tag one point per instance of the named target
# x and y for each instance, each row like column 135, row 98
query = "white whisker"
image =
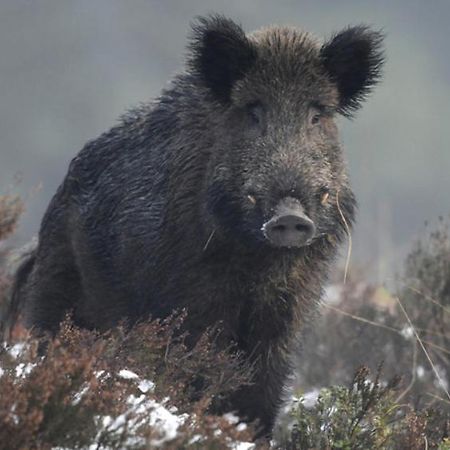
column 209, row 239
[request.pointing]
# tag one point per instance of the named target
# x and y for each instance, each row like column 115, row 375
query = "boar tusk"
column 324, row 198
column 252, row 199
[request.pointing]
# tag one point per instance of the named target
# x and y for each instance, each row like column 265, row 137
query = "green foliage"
column 348, row 418
column 363, row 416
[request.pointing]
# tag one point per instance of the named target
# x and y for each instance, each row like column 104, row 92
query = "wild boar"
column 227, row 196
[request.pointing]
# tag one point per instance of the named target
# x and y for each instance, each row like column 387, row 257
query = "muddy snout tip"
column 290, row 226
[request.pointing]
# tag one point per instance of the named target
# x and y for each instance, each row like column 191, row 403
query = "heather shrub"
column 100, row 389
column 366, row 324
column 11, row 207
column 364, row 415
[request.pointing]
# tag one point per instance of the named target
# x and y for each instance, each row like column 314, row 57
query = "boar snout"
column 289, row 226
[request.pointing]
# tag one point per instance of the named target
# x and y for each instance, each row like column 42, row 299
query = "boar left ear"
column 221, row 54
column 353, row 58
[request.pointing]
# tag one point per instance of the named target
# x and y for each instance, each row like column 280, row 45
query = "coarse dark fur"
column 165, row 210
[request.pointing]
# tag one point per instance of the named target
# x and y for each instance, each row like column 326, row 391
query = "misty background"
column 69, row 69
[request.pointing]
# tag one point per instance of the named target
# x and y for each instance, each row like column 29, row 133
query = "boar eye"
column 315, row 119
column 255, row 113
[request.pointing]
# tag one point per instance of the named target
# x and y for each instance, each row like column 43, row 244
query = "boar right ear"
column 353, row 59
column 221, row 54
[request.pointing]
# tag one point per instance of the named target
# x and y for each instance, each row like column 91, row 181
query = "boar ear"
column 353, row 59
column 221, row 54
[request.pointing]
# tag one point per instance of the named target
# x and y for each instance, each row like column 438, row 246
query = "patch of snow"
column 241, row 426
column 143, row 385
column 407, row 332
column 166, row 422
column 143, row 411
column 22, row 369
column 244, row 446
column 17, row 349
column 231, row 418
column 333, row 294
column 235, row 420
column 196, row 438
column 128, row 375
column 147, row 386
column 420, row 371
column 310, row 398
column 80, row 394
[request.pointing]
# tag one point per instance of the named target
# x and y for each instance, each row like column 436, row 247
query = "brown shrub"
column 366, row 325
column 11, row 207
column 61, row 399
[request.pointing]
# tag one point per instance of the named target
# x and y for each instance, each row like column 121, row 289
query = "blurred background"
column 69, row 69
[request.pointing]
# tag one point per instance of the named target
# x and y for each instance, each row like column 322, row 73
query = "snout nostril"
column 279, row 228
column 303, row 228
